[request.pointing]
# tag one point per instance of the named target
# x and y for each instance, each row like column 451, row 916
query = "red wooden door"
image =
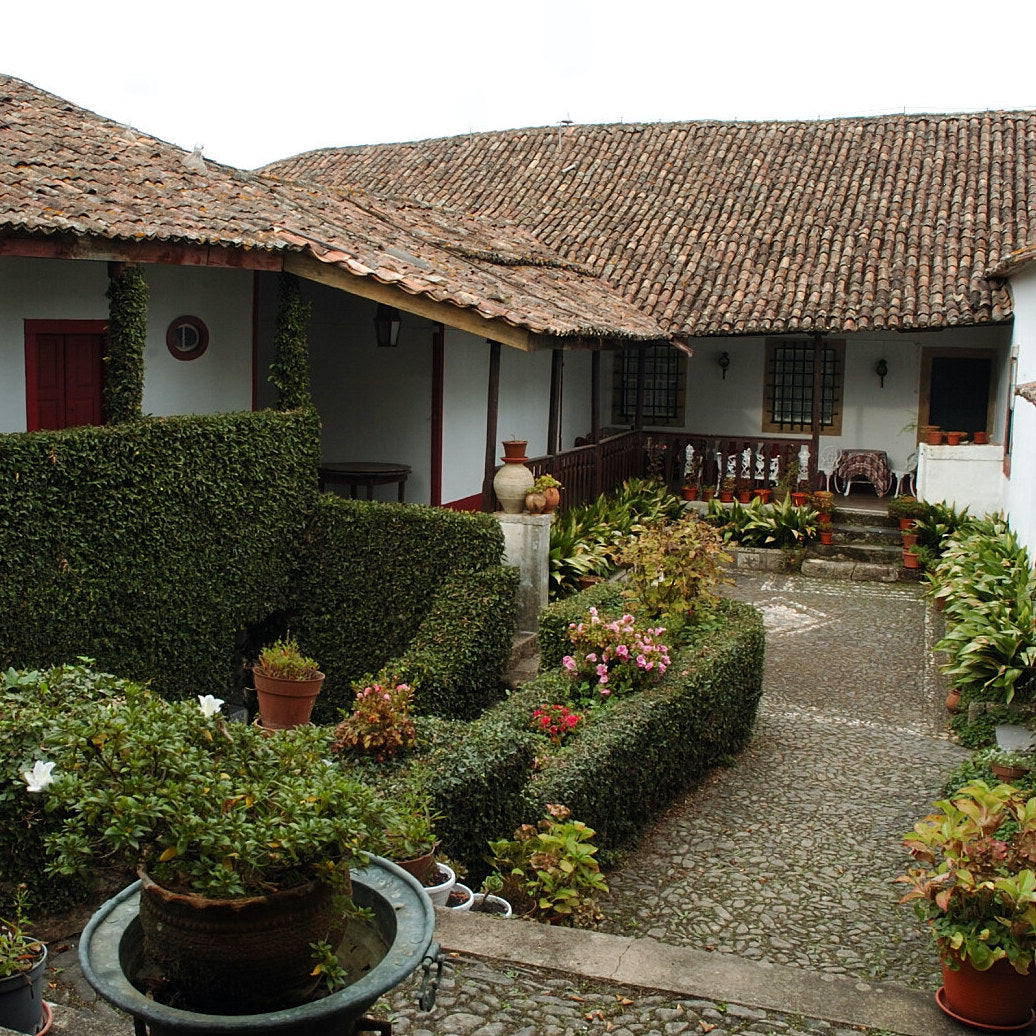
column 64, row 366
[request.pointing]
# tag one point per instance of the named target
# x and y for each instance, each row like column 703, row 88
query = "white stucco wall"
column 1020, row 492
column 51, row 289
column 874, row 417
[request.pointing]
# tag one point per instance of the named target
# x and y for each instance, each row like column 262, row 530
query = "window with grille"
column 788, row 390
column 664, row 386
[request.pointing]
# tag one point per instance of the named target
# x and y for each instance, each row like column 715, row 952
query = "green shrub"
column 29, row 702
column 149, row 545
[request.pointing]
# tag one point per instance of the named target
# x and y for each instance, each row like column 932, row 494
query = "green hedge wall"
column 148, row 545
column 368, row 579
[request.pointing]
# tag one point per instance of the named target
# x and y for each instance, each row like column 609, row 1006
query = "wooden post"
column 638, row 406
column 438, row 388
column 492, row 415
column 557, row 378
column 595, row 396
column 818, row 405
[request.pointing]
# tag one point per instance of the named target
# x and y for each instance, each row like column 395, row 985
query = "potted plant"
column 823, row 502
column 727, row 488
column 789, row 478
column 410, row 832
column 22, row 962
column 488, row 899
column 975, row 887
column 549, row 871
column 231, row 831
column 690, row 491
column 1007, row 764
column 907, row 509
column 544, row 496
column 287, row 684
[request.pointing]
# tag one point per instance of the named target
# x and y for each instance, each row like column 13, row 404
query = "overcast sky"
column 255, row 81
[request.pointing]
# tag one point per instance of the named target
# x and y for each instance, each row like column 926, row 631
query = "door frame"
column 49, row 327
column 924, row 386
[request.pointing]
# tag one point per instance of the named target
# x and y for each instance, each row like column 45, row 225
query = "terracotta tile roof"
column 64, row 169
column 746, row 228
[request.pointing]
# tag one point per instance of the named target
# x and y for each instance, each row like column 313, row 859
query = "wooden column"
column 438, row 391
column 638, row 412
column 595, row 396
column 818, row 404
column 492, row 415
column 557, row 380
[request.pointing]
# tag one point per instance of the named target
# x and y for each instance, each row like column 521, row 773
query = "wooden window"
column 788, row 386
column 665, row 382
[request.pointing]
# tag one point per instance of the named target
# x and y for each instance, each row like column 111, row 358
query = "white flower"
column 39, row 776
column 209, row 705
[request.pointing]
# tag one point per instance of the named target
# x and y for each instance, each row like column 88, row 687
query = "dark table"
column 364, row 473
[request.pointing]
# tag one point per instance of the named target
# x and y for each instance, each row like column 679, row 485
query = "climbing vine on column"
column 127, row 333
column 289, row 371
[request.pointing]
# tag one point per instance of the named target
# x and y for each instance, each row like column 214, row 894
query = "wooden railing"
column 588, row 471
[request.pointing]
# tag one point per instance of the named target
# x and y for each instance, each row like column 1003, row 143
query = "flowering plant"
column 205, row 806
column 284, row 659
column 976, row 883
column 556, row 721
column 614, row 657
column 380, row 723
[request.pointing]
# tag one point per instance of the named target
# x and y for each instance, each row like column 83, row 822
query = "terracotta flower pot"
column 953, row 700
column 953, row 438
column 285, row 703
column 745, row 496
column 979, row 438
column 514, row 449
column 690, row 492
column 932, row 435
column 998, row 998
column 799, row 499
column 763, row 494
column 725, row 496
column 906, row 523
column 535, row 503
column 552, row 496
column 909, row 537
column 910, row 559
column 826, row 536
column 709, row 494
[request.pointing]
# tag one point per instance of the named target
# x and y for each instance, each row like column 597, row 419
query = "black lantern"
column 881, row 368
column 724, row 363
column 386, row 326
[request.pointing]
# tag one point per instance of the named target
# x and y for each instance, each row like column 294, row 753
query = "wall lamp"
column 386, row 325
column 881, row 368
column 724, row 363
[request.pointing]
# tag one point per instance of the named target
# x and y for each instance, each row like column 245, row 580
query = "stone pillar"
column 527, row 548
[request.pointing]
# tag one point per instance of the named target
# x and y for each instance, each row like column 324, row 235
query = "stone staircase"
column 866, row 546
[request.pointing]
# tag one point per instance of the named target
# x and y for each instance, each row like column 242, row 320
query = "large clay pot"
column 236, row 956
column 996, row 998
column 284, row 704
column 511, row 484
column 552, row 496
column 535, row 503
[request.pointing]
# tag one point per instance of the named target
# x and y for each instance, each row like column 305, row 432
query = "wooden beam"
column 167, row 253
column 441, row 312
column 438, row 395
column 818, row 403
column 595, row 396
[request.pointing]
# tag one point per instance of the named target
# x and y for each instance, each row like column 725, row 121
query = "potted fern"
column 286, row 683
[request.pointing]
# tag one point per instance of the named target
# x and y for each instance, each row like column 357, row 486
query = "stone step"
column 524, row 660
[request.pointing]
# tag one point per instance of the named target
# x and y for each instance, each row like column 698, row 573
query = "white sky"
column 254, row 81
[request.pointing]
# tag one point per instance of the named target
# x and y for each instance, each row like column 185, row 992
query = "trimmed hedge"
column 368, row 579
column 148, row 545
column 641, row 751
column 462, row 647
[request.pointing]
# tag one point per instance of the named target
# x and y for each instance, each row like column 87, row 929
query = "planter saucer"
column 940, row 999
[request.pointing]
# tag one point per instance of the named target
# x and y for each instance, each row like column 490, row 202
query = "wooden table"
column 872, row 465
column 364, row 473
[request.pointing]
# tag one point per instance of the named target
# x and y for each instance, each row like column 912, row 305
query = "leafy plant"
column 549, row 871
column 284, row 659
column 205, row 806
column 410, row 828
column 672, row 570
column 545, row 481
column 975, row 885
column 381, row 723
column 906, row 507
